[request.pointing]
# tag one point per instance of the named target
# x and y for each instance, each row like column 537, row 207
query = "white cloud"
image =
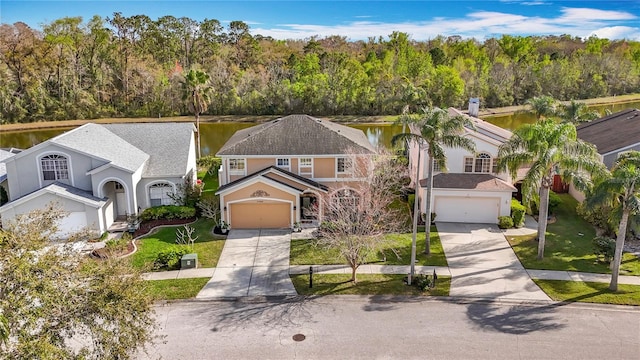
column 617, row 32
column 580, row 22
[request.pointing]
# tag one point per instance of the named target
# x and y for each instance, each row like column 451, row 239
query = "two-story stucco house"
column 472, row 191
column 274, row 174
column 99, row 173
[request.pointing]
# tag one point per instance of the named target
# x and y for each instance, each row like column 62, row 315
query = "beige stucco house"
column 274, row 174
column 99, row 173
column 472, row 191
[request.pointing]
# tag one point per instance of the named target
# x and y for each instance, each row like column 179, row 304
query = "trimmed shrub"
column 554, row 202
column 517, row 213
column 168, row 212
column 604, row 247
column 505, row 222
column 169, row 258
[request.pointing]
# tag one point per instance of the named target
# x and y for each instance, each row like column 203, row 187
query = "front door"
column 121, row 200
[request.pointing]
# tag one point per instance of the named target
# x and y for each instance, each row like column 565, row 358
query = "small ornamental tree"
column 56, row 303
column 357, row 218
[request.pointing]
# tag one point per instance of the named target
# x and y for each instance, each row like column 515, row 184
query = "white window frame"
column 483, row 163
column 307, row 168
column 237, row 166
column 347, row 166
column 56, row 165
column 165, row 198
column 281, row 161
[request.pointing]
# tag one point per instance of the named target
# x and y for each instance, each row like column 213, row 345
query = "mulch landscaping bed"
column 146, row 226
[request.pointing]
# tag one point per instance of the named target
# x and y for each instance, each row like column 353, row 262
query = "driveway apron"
column 252, row 263
column 483, row 265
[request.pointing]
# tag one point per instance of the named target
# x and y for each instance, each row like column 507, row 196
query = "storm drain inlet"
column 299, row 337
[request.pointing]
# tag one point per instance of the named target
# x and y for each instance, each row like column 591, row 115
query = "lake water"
column 214, row 135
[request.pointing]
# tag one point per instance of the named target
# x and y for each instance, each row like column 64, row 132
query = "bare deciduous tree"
column 360, row 214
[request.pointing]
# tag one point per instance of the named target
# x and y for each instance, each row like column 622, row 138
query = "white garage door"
column 479, row 210
column 74, row 222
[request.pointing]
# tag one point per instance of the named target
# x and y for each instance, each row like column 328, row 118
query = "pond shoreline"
column 344, row 119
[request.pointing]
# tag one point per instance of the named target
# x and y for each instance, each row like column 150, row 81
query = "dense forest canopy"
column 133, row 66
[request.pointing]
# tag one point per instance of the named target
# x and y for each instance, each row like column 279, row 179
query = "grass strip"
column 590, row 292
column 368, row 284
column 174, row 289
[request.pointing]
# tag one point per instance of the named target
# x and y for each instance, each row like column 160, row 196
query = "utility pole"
column 416, row 213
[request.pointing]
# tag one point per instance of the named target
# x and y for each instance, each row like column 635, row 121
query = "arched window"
column 159, row 194
column 480, row 164
column 345, row 197
column 54, row 167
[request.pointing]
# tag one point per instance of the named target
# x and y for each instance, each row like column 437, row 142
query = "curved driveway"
column 483, row 265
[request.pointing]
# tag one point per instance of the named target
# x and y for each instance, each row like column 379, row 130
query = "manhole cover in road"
column 299, row 337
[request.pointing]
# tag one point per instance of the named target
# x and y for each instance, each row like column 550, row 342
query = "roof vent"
column 474, row 106
column 275, row 121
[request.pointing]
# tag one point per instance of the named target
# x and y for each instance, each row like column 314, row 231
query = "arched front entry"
column 117, row 192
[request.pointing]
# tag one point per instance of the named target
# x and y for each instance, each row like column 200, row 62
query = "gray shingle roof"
column 484, row 127
column 612, row 132
column 265, row 172
column 96, row 140
column 469, row 181
column 166, row 143
column 297, row 135
column 66, row 191
column 3, row 168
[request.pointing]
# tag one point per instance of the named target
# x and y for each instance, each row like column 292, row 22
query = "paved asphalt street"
column 361, row 327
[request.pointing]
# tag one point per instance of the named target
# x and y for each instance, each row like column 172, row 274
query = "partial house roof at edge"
column 484, row 127
column 297, row 135
column 612, row 132
column 470, row 181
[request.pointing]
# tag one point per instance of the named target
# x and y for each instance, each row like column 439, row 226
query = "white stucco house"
column 472, row 191
column 99, row 173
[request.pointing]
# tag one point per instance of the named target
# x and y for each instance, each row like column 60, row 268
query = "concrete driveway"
column 252, row 263
column 482, row 263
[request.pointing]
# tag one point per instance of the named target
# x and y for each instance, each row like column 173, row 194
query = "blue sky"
column 358, row 19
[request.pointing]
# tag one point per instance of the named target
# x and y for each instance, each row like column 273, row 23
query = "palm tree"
column 196, row 92
column 548, row 148
column 541, row 106
column 620, row 190
column 436, row 129
column 576, row 112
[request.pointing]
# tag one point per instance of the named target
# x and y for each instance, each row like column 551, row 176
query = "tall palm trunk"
column 427, row 219
column 617, row 256
column 543, row 213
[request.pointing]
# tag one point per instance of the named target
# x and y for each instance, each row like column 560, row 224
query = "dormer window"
column 54, row 168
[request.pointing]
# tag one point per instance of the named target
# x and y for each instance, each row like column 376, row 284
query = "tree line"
column 134, row 66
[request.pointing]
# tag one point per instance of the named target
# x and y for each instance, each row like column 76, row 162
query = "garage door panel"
column 467, row 209
column 260, row 215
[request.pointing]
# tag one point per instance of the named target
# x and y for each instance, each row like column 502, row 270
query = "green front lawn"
column 307, row 252
column 591, row 292
column 368, row 284
column 174, row 289
column 207, row 246
column 210, row 183
column 568, row 245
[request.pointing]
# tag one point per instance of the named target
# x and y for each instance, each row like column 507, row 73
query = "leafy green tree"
column 548, row 148
column 541, row 106
column 620, row 190
column 196, row 92
column 576, row 112
column 434, row 129
column 58, row 304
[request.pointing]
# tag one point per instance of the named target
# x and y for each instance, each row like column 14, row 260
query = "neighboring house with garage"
column 101, row 173
column 274, row 174
column 472, row 191
column 612, row 135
